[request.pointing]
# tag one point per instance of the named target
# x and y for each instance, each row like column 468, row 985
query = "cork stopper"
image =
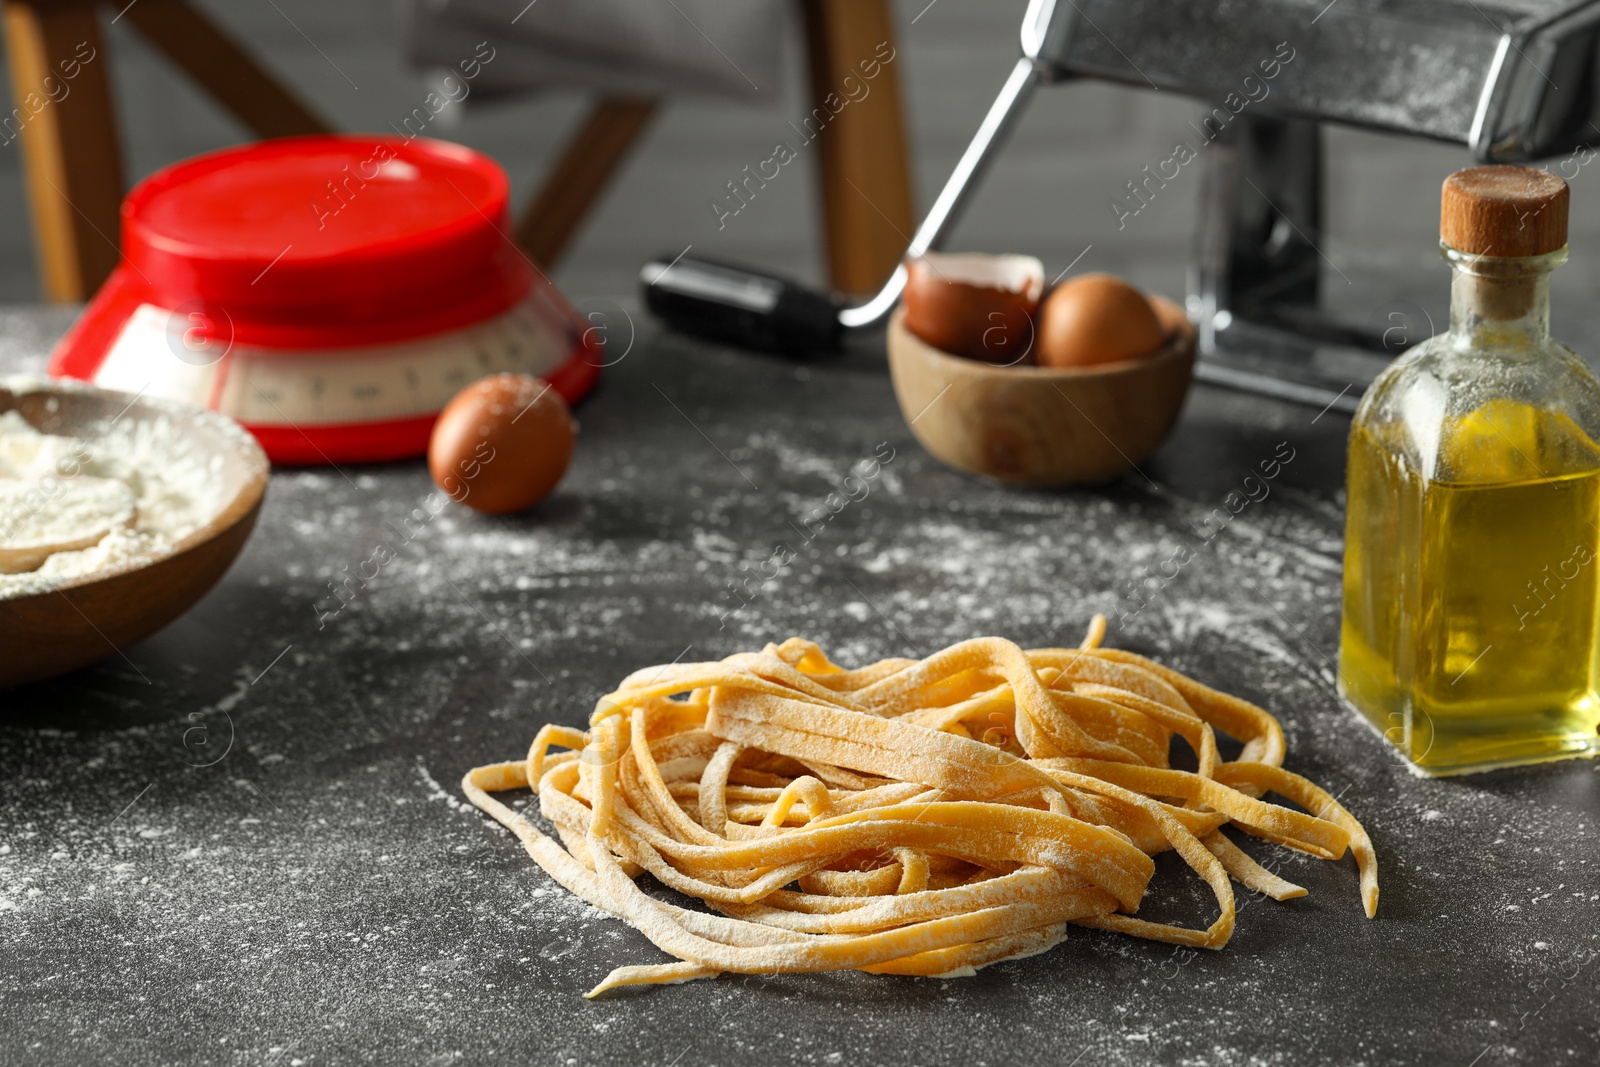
column 1504, row 211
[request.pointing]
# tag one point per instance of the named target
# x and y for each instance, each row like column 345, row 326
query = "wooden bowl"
column 86, row 619
column 1040, row 426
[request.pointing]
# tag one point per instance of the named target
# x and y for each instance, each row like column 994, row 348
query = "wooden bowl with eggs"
column 1043, row 426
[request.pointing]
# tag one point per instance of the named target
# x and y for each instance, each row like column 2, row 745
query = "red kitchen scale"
column 330, row 293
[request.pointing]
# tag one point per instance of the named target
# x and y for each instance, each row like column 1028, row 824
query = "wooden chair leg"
column 570, row 190
column 63, row 114
column 195, row 44
column 867, row 205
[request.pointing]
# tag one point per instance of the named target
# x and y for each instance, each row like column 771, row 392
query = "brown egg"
column 501, row 444
column 1096, row 318
column 974, row 305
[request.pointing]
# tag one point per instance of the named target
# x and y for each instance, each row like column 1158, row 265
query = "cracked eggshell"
column 975, row 305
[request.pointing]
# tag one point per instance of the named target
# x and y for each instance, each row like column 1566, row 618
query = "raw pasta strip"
column 669, row 927
column 854, row 819
column 1030, row 884
column 880, row 746
column 1307, row 833
column 652, row 974
column 1247, row 872
column 1038, row 719
column 1261, row 733
column 965, row 960
column 1195, row 854
column 1309, row 796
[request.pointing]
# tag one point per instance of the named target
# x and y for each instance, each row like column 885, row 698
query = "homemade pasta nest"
column 911, row 817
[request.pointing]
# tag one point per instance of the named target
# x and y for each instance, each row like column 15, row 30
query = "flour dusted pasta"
column 909, row 817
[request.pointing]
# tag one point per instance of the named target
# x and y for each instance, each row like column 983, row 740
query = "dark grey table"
column 242, row 841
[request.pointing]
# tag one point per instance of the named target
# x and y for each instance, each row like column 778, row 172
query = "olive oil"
column 1471, row 630
column 1471, row 609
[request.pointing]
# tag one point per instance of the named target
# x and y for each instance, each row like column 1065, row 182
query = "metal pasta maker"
column 1512, row 80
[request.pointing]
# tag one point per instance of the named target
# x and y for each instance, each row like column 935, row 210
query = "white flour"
column 43, row 478
column 81, row 512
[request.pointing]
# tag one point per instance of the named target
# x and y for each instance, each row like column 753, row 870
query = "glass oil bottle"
column 1471, row 625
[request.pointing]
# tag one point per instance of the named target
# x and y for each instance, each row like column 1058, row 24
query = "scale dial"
column 161, row 353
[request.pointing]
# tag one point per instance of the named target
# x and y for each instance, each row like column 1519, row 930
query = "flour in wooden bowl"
column 142, row 482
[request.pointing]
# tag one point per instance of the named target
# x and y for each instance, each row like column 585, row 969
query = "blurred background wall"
column 1049, row 194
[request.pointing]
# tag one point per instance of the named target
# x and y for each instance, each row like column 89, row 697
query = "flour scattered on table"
column 129, row 492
